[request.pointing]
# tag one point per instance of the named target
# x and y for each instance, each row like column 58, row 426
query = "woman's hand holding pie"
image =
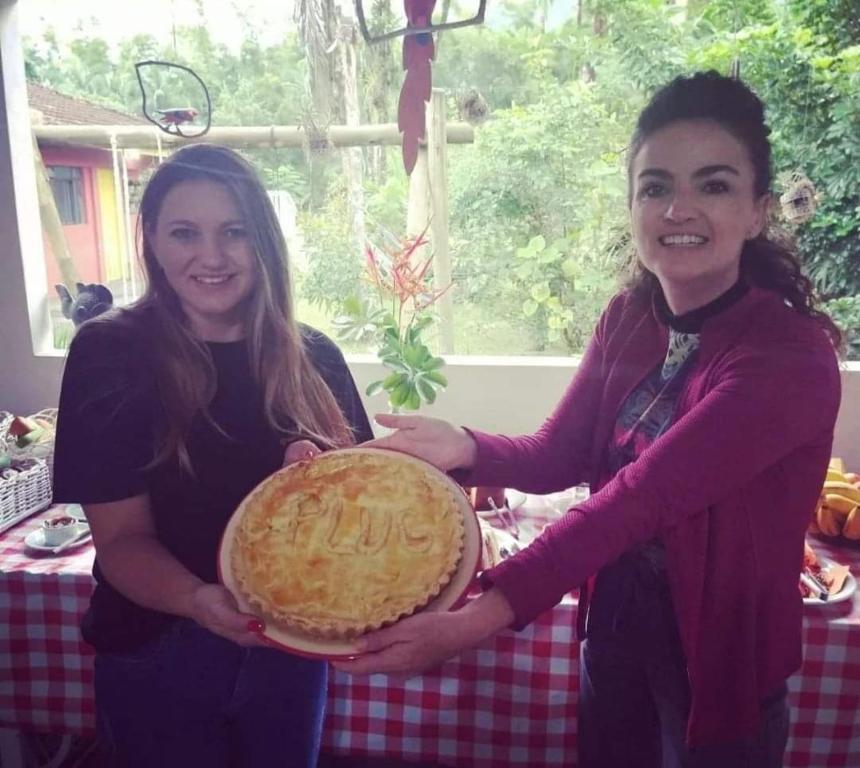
column 300, row 450
column 434, row 440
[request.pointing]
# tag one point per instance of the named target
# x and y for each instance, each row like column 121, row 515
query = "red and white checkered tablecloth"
column 825, row 694
column 46, row 670
column 511, row 702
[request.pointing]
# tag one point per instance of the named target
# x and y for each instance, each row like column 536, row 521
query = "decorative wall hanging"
column 179, row 103
column 473, row 107
column 418, row 53
column 799, row 198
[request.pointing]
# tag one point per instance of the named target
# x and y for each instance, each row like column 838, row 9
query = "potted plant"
column 396, row 316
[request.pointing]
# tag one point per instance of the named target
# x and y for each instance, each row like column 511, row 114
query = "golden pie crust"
column 347, row 542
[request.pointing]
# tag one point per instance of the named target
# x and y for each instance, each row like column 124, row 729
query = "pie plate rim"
column 298, row 643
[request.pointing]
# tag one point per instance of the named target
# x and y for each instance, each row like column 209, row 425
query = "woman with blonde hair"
column 171, row 411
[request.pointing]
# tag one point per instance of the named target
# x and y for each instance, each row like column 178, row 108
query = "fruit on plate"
column 851, row 529
column 820, row 581
column 25, row 431
column 836, row 513
column 30, row 430
column 837, row 464
column 829, row 521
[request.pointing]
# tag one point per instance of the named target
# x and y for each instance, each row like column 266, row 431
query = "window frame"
column 482, row 392
column 67, row 186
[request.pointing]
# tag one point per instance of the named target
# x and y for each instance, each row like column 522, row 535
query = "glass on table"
column 562, row 501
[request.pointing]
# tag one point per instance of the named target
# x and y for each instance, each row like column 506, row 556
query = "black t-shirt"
column 110, row 418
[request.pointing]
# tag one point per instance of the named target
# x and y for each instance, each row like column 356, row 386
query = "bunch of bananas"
column 838, row 509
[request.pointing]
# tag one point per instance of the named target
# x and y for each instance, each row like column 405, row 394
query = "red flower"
column 401, row 278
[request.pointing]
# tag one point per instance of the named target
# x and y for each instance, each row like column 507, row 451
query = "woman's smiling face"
column 693, row 204
column 201, row 243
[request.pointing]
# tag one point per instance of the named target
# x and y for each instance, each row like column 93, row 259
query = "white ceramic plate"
column 449, row 597
column 35, row 540
column 848, row 589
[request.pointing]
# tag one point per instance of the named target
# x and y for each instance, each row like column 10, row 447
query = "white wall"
column 514, row 396
column 26, row 381
column 499, row 394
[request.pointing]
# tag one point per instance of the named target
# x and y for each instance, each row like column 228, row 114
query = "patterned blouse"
column 634, row 589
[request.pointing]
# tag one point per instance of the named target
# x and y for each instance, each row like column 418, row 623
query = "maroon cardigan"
column 730, row 489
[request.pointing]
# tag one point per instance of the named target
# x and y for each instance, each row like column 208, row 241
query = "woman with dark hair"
column 171, row 411
column 702, row 415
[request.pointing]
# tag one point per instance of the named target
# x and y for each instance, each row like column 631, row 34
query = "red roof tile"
column 59, row 109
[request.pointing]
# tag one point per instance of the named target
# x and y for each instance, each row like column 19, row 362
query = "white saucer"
column 36, row 540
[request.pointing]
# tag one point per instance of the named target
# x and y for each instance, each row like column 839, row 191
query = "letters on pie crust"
column 347, row 542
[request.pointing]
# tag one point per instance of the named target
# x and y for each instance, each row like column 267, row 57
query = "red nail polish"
column 255, row 625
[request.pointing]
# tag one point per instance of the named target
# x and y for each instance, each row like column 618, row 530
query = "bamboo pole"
column 352, row 157
column 275, row 136
column 418, row 210
column 126, row 222
column 51, row 223
column 121, row 225
column 437, row 177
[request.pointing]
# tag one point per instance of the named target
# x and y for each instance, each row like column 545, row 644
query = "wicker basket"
column 24, row 492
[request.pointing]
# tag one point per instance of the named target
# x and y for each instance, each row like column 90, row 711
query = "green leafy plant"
column 566, row 290
column 396, row 317
column 846, row 314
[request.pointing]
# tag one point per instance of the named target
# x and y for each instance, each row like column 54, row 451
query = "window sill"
column 467, row 361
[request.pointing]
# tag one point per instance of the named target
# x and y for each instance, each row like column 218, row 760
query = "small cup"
column 58, row 530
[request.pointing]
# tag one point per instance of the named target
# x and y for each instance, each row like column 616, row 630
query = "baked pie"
column 347, row 542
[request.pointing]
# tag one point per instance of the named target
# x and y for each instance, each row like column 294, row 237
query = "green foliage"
column 837, row 21
column 812, row 90
column 415, row 374
column 832, row 247
column 846, row 314
column 648, row 39
column 508, row 67
column 733, row 15
column 333, row 269
column 538, row 202
column 565, row 290
column 257, row 85
column 549, row 172
column 395, row 318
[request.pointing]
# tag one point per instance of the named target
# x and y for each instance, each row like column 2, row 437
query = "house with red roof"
column 89, row 186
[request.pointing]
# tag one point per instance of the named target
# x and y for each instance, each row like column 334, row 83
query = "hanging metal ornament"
column 419, row 51
column 799, row 199
column 473, row 107
column 192, row 116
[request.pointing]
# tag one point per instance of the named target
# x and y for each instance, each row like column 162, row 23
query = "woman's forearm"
column 138, row 566
column 484, row 616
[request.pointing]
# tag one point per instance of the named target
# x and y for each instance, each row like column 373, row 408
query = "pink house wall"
column 84, row 240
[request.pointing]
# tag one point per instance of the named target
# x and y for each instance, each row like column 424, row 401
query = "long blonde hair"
column 296, row 400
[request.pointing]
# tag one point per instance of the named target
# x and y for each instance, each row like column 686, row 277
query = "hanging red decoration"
column 418, row 53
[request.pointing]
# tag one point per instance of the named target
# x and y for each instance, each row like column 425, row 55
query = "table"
column 510, row 702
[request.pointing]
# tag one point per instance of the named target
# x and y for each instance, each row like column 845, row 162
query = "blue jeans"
column 634, row 696
column 190, row 698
